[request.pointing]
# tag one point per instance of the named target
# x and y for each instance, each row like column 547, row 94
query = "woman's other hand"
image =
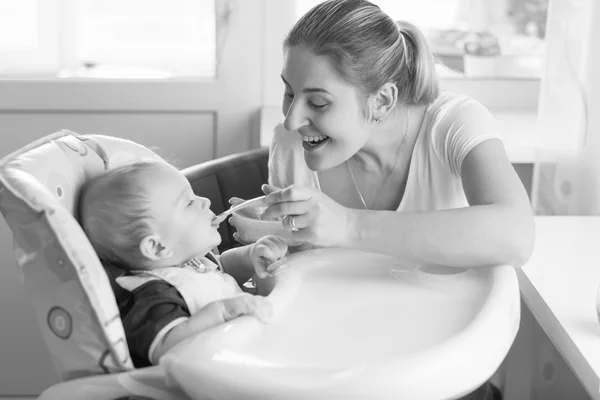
column 265, row 252
column 313, row 216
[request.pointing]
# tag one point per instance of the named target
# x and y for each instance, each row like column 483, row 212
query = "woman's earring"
column 377, row 120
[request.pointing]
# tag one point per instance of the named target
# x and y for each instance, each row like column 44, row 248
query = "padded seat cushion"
column 62, row 275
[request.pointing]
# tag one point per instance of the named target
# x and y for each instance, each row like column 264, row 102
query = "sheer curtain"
column 567, row 169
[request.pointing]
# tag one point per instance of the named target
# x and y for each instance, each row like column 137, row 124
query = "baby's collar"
column 196, row 264
column 199, row 265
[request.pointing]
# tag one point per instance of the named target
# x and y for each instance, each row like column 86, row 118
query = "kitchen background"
column 199, row 79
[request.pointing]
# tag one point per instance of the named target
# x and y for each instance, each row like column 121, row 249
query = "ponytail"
column 417, row 78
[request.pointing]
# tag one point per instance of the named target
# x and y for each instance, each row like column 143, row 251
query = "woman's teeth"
column 314, row 140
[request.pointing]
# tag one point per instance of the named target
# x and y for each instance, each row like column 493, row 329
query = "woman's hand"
column 234, row 201
column 265, row 252
column 317, row 218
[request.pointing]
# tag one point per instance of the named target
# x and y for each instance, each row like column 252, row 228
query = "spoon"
column 255, row 202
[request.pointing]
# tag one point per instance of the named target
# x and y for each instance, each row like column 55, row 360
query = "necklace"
column 362, row 199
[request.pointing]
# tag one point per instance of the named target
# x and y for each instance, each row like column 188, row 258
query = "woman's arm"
column 497, row 228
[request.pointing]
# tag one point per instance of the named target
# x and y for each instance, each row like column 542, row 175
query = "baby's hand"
column 266, row 251
column 246, row 304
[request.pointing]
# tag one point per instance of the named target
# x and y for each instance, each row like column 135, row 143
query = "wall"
column 186, row 138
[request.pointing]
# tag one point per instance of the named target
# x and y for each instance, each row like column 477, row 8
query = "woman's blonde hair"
column 115, row 211
column 369, row 49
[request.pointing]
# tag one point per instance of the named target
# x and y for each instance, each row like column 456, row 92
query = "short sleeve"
column 147, row 315
column 286, row 160
column 459, row 126
column 281, row 156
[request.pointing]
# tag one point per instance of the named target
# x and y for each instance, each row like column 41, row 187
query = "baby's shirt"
column 162, row 298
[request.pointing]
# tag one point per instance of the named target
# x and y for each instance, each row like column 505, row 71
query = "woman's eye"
column 317, row 106
column 191, row 202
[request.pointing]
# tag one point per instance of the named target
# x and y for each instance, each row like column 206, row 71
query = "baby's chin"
column 217, row 240
column 214, row 243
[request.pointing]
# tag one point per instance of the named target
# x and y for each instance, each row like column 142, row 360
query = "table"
column 559, row 286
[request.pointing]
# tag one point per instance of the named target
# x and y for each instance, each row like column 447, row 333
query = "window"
column 27, row 41
column 108, row 38
column 475, row 38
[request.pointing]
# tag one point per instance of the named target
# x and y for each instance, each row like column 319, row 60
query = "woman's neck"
column 388, row 139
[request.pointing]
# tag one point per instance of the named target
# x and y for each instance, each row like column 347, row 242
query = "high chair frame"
column 238, row 175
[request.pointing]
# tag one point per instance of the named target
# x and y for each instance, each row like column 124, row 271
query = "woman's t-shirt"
column 452, row 126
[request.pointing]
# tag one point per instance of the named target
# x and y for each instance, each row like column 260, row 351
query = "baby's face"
column 185, row 220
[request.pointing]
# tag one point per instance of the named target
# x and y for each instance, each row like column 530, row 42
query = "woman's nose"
column 295, row 118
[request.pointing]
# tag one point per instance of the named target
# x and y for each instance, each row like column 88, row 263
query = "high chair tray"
column 350, row 324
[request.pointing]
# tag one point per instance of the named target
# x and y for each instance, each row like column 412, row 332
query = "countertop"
column 559, row 285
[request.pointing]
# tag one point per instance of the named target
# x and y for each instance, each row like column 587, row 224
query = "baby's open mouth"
column 314, row 141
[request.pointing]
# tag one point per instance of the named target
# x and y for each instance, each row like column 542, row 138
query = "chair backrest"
column 62, row 275
column 238, row 175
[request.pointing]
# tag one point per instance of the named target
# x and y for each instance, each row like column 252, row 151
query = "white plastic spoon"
column 256, row 202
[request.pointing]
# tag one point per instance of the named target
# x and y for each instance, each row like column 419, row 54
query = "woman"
column 371, row 155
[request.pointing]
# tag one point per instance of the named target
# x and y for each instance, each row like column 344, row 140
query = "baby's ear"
column 152, row 248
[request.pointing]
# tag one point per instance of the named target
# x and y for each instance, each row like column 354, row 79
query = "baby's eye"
column 191, row 202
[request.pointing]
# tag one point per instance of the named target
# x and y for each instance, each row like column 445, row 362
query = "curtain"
column 567, row 168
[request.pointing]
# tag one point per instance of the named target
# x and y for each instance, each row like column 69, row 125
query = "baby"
column 145, row 219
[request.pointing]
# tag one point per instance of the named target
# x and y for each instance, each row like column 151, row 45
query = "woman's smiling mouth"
column 313, row 142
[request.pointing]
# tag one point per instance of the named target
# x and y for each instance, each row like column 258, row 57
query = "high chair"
column 69, row 287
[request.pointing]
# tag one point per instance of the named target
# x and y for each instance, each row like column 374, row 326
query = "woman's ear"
column 384, row 101
column 153, row 249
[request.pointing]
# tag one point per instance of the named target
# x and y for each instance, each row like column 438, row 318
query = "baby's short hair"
column 115, row 213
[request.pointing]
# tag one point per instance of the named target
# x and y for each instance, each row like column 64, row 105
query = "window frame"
column 48, row 14
column 57, row 32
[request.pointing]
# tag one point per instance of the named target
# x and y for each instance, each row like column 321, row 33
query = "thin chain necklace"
column 362, row 199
